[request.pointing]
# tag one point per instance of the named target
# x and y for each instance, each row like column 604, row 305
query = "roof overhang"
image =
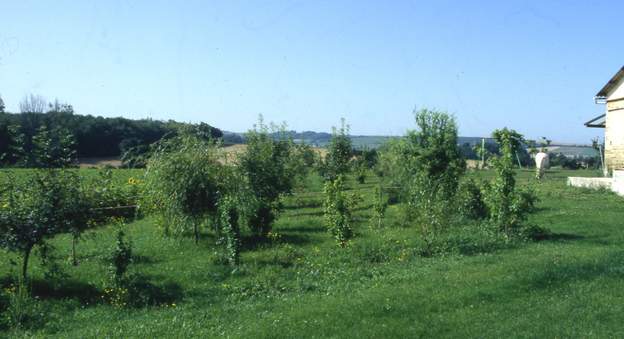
column 602, row 96
column 597, row 122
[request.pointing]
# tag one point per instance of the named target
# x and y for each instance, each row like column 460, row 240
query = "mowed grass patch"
column 301, row 284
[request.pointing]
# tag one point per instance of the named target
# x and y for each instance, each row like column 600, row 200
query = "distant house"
column 612, row 94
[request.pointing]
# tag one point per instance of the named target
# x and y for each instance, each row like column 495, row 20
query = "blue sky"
column 530, row 65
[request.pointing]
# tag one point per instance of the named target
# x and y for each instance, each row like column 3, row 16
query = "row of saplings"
column 424, row 173
column 190, row 184
column 52, row 199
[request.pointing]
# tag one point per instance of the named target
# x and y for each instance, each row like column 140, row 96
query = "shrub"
column 230, row 231
column 470, row 201
column 508, row 206
column 53, row 148
column 337, row 162
column 120, row 257
column 426, row 167
column 270, row 172
column 379, row 207
column 184, row 183
column 41, row 206
column 338, row 207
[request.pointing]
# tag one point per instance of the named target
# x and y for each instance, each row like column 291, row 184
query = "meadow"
column 298, row 283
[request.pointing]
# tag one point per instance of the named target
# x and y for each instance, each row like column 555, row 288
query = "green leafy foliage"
column 99, row 136
column 230, row 230
column 270, row 170
column 339, row 153
column 183, row 184
column 508, row 206
column 53, row 148
column 470, row 200
column 120, row 257
column 426, row 167
column 37, row 208
column 380, row 206
column 338, row 210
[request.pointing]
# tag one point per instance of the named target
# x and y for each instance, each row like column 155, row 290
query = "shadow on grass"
column 303, row 229
column 561, row 237
column 145, row 293
column 66, row 289
column 144, row 259
column 253, row 242
column 307, row 214
column 557, row 274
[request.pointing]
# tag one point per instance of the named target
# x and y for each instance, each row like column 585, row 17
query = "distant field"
column 99, row 162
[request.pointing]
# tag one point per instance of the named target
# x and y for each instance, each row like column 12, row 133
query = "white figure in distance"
column 542, row 163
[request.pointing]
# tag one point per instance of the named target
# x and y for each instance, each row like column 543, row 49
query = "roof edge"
column 606, row 89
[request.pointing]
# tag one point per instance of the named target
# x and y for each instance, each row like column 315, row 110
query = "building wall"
column 618, row 93
column 614, row 131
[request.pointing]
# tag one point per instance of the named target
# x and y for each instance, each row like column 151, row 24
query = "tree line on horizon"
column 93, row 136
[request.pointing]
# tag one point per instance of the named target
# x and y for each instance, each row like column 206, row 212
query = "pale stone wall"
column 590, row 182
column 617, row 185
column 614, row 130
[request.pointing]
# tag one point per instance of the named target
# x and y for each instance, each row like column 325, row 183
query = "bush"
column 508, row 207
column 470, row 201
column 37, row 208
column 230, row 231
column 271, row 171
column 337, row 162
column 338, row 207
column 184, row 181
column 426, row 167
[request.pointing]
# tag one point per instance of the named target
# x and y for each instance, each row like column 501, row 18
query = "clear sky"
column 530, row 65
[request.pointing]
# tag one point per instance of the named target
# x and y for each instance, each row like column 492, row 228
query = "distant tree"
column 53, row 149
column 11, row 147
column 2, row 107
column 33, row 104
column 339, row 153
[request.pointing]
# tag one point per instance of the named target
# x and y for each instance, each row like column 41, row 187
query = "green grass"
column 305, row 286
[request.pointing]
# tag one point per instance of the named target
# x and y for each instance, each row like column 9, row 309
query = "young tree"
column 339, row 153
column 53, row 148
column 338, row 208
column 41, row 206
column 11, row 148
column 267, row 164
column 502, row 198
column 183, row 184
column 230, row 231
column 426, row 166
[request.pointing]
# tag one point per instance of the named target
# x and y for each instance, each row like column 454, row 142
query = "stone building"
column 612, row 94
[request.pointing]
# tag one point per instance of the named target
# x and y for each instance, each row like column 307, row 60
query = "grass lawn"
column 303, row 285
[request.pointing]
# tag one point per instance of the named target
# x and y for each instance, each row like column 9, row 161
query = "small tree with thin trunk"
column 183, row 184
column 270, row 170
column 37, row 208
column 502, row 197
column 337, row 162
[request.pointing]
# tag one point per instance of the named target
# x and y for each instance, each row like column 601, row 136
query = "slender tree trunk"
column 196, row 230
column 74, row 259
column 25, row 264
